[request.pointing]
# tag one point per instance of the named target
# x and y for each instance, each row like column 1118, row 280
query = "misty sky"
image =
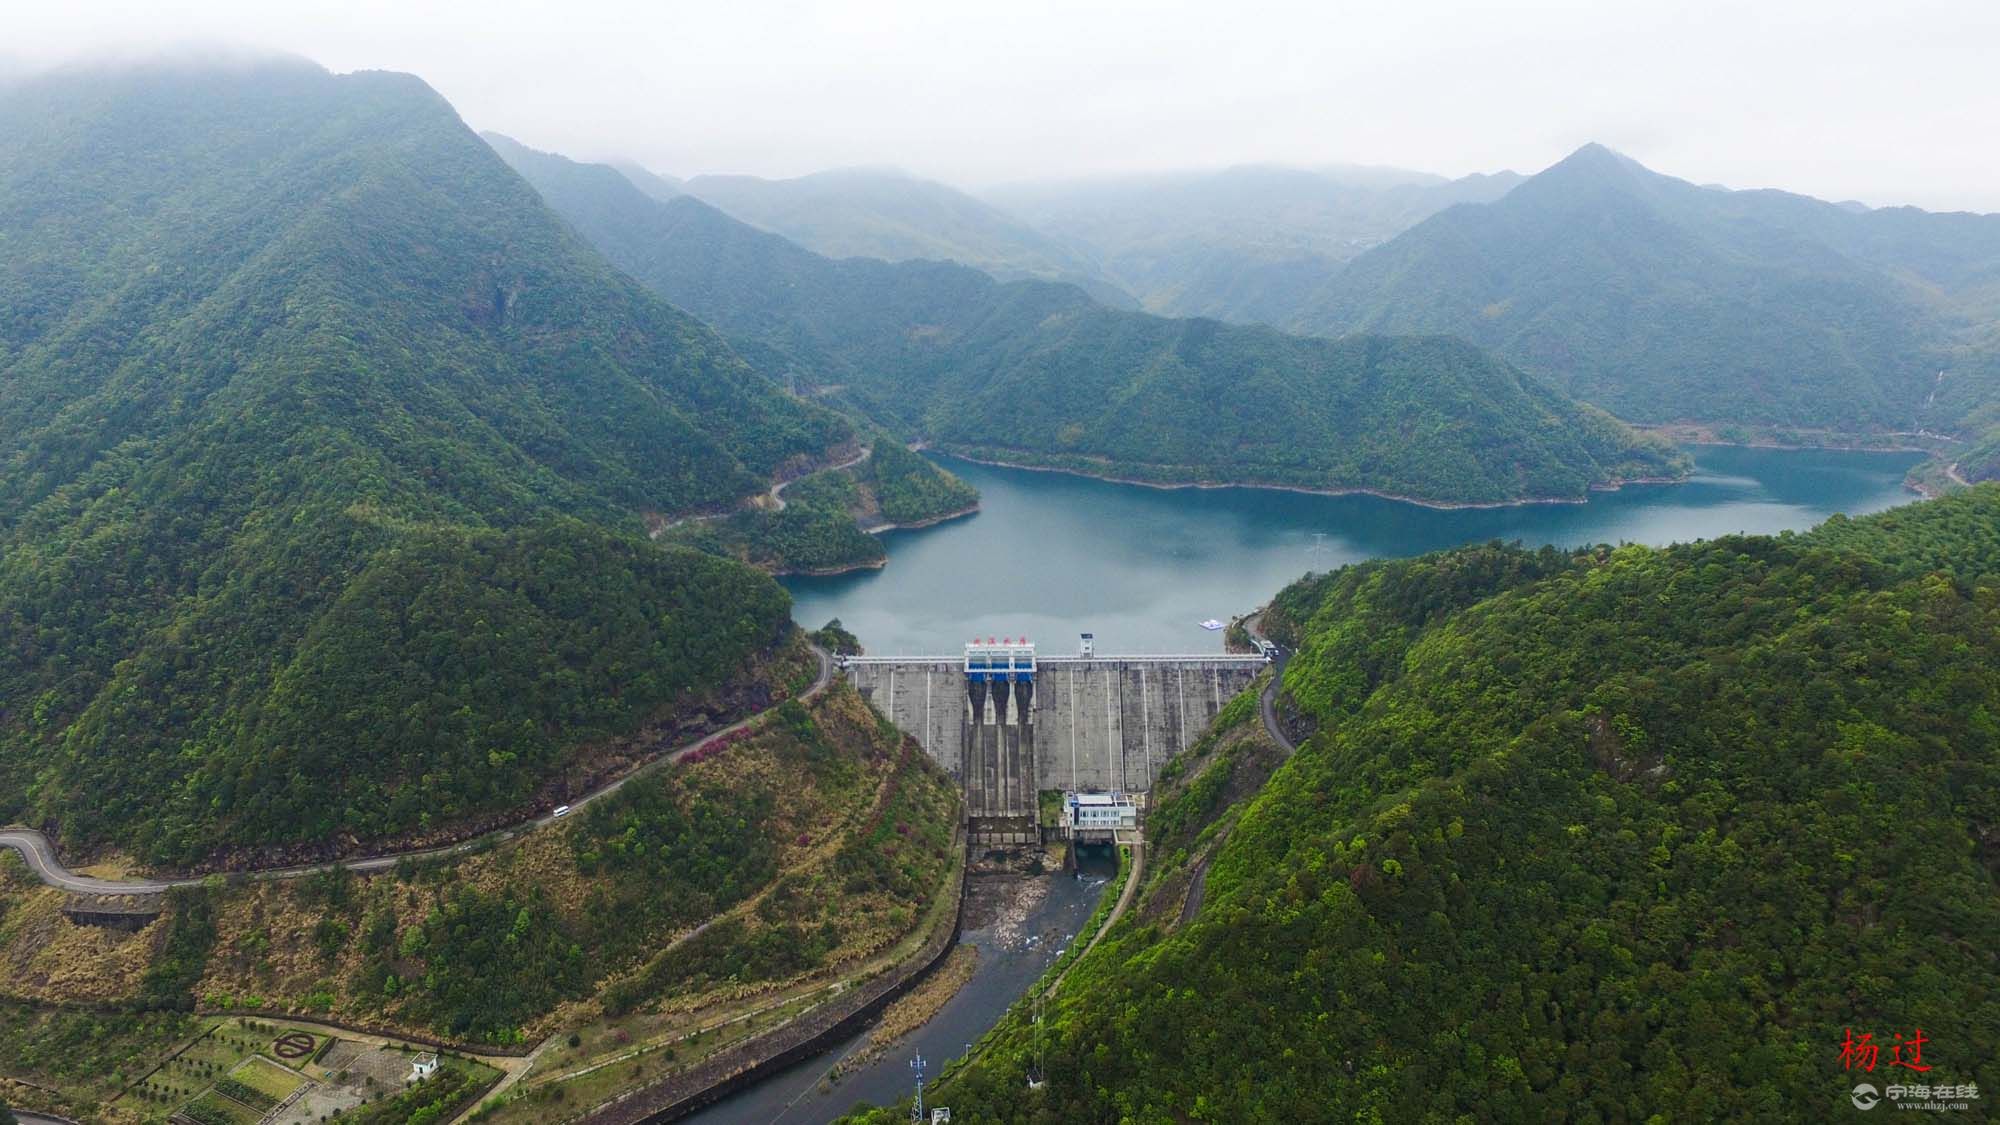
column 1887, row 102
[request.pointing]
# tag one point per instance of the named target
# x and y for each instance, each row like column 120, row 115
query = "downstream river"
column 1016, row 943
column 1050, row 555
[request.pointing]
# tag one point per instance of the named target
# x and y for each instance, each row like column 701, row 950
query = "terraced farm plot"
column 266, row 1078
column 221, row 1076
column 244, row 1095
column 220, row 1047
column 213, row 1108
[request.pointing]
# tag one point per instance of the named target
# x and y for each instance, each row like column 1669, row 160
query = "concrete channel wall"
column 763, row 1055
column 1100, row 724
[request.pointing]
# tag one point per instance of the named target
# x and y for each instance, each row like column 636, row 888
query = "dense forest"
column 907, row 489
column 1038, row 373
column 328, row 449
column 1662, row 301
column 1611, row 834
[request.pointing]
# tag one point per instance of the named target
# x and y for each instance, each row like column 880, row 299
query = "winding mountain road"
column 776, row 494
column 1267, row 703
column 777, row 490
column 1267, row 708
column 41, row 856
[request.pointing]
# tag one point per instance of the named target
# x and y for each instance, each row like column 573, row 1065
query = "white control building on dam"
column 1008, row 722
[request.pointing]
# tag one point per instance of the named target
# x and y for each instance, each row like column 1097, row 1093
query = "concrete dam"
column 1008, row 723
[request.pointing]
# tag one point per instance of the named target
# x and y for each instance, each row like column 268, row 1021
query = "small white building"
column 1098, row 816
column 422, row 1067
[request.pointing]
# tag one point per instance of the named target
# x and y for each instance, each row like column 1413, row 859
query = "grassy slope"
column 807, row 843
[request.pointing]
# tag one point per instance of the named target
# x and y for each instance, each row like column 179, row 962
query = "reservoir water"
column 1050, row 555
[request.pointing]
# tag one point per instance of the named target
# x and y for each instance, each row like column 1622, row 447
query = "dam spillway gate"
column 1008, row 723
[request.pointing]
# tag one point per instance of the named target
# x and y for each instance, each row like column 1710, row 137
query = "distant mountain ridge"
column 1662, row 301
column 651, row 182
column 886, row 214
column 1037, row 373
column 1246, row 244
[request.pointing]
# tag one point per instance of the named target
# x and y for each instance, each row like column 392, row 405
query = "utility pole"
column 1041, row 1045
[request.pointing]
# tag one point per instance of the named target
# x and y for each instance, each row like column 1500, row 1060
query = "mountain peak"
column 1596, row 159
column 1592, row 172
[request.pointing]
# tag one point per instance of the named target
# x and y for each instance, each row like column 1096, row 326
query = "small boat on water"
column 1211, row 624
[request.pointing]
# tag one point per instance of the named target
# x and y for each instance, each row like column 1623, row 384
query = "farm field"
column 238, row 1070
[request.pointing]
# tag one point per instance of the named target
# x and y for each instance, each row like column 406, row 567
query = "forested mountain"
column 1661, row 301
column 1038, row 373
column 1620, row 834
column 324, row 453
column 877, row 213
column 1247, row 244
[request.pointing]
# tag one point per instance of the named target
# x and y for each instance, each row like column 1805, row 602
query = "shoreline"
column 1441, row 505
column 1693, row 433
column 830, row 571
column 971, row 509
column 875, row 564
column 1916, row 481
column 1929, row 487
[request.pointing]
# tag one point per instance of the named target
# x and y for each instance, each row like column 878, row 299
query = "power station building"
column 1098, row 818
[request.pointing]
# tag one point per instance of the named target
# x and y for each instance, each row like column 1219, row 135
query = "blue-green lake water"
column 1051, row 555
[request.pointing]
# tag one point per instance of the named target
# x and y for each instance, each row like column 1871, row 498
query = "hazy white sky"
column 1891, row 101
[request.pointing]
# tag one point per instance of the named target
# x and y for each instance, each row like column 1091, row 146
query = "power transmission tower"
column 917, row 1107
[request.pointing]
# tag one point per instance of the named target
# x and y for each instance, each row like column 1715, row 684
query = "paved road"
column 777, row 490
column 776, row 494
column 1267, row 703
column 1125, row 896
column 1267, row 706
column 41, row 857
